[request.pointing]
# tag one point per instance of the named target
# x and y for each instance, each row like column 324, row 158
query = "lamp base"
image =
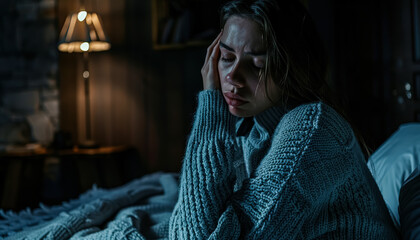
column 88, row 144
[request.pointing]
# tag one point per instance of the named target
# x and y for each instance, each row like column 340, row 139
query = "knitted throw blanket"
column 138, row 210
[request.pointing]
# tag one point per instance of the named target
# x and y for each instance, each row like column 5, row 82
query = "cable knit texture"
column 294, row 175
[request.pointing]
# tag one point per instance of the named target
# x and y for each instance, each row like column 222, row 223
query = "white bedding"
column 393, row 162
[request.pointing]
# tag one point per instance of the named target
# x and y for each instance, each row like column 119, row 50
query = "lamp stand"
column 88, row 143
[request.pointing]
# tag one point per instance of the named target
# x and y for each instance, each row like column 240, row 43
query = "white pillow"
column 393, row 162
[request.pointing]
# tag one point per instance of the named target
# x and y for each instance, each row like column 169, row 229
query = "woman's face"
column 242, row 57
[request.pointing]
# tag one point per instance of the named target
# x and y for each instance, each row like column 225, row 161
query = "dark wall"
column 356, row 34
column 172, row 81
column 28, row 71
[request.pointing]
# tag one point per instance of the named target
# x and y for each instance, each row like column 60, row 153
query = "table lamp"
column 83, row 33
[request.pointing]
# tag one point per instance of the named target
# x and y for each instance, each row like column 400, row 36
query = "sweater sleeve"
column 207, row 176
column 275, row 202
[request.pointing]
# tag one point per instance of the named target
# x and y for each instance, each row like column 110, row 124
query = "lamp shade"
column 83, row 32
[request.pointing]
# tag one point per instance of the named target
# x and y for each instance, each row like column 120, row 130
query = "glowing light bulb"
column 85, row 74
column 84, row 46
column 82, row 15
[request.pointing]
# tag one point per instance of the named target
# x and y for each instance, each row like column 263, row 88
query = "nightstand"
column 53, row 176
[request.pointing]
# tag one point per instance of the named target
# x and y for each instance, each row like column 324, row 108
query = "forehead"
column 242, row 33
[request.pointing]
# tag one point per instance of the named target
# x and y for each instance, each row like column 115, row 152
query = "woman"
column 268, row 156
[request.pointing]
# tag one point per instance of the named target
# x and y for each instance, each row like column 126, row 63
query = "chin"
column 239, row 112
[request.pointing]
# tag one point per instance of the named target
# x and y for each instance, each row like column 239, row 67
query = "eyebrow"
column 260, row 53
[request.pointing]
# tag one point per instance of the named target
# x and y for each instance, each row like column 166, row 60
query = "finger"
column 214, row 57
column 212, row 45
column 216, row 40
column 211, row 71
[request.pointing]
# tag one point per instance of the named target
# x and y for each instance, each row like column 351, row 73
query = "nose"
column 235, row 76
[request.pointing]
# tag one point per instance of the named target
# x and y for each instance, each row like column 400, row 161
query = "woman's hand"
column 209, row 71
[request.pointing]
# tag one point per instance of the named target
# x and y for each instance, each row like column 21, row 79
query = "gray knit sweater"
column 294, row 175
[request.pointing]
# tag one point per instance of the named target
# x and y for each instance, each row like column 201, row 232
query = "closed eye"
column 227, row 59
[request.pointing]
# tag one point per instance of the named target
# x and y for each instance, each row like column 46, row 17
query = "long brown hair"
column 296, row 58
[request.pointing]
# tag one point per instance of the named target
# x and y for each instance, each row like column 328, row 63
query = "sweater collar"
column 268, row 120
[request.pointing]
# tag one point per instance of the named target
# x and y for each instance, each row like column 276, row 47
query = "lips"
column 234, row 100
